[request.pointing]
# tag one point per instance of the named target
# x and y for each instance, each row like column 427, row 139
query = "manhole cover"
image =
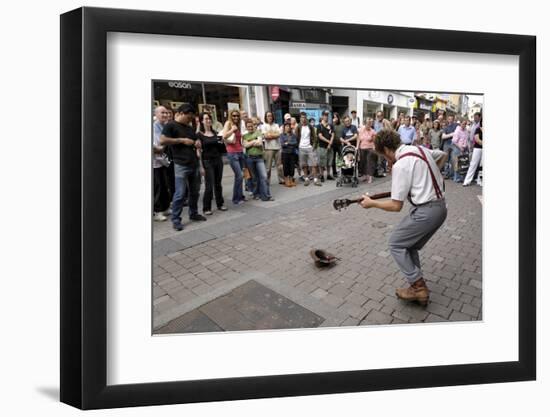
column 251, row 306
column 379, row 225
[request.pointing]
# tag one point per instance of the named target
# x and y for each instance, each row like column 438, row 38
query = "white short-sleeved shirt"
column 410, row 175
column 272, row 144
column 305, row 139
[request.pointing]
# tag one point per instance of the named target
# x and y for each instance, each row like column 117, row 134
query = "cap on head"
column 353, row 112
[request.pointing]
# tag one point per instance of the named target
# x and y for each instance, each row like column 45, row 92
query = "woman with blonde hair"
column 233, row 143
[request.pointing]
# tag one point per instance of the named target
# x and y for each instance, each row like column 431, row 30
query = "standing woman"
column 212, row 163
column 338, row 128
column 231, row 135
column 476, row 154
column 289, row 144
column 367, row 156
column 435, row 135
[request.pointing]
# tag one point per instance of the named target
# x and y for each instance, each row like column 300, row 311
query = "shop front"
column 214, row 98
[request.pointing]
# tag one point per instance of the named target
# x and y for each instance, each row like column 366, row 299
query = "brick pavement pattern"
column 269, row 244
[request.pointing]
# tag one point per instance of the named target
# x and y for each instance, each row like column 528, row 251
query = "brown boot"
column 292, row 182
column 418, row 291
column 287, row 182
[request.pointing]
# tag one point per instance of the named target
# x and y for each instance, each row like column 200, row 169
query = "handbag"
column 246, row 174
column 462, row 163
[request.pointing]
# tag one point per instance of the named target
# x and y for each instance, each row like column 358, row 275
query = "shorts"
column 308, row 157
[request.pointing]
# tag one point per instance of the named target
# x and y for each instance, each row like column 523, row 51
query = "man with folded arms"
column 181, row 137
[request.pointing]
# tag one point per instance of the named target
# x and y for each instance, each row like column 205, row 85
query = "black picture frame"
column 84, row 208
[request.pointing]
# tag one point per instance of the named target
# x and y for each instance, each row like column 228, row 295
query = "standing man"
column 473, row 128
column 378, row 122
column 349, row 134
column 272, row 147
column 448, row 133
column 407, row 132
column 305, row 134
column 160, row 170
column 416, row 176
column 181, row 137
column 325, row 133
column 355, row 120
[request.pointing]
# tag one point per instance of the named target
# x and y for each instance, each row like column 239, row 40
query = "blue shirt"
column 407, row 133
column 348, row 132
column 450, row 129
column 378, row 126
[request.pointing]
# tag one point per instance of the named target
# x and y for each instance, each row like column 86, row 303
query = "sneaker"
column 306, row 181
column 317, row 182
column 208, row 212
column 330, row 178
column 239, row 202
column 197, row 217
column 222, row 208
column 322, row 178
column 167, row 212
column 301, row 178
column 177, row 226
column 269, row 199
column 159, row 217
column 256, row 197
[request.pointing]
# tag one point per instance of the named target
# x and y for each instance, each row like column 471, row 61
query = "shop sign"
column 179, row 84
column 275, row 93
column 297, row 105
column 390, row 98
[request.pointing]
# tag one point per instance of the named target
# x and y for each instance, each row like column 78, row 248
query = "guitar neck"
column 373, row 197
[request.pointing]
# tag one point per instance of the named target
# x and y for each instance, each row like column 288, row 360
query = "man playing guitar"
column 416, row 176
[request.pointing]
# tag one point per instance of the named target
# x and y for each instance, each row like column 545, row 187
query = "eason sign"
column 179, row 84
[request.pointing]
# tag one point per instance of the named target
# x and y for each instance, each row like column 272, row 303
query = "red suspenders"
column 438, row 192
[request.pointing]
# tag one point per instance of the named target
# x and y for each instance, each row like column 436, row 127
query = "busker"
column 416, row 176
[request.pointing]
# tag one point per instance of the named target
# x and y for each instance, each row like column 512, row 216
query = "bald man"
column 161, row 188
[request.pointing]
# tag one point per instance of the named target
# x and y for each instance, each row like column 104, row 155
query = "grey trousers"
column 412, row 233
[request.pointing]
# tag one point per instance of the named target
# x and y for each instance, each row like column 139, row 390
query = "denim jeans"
column 236, row 162
column 186, row 178
column 250, row 183
column 256, row 166
column 448, row 149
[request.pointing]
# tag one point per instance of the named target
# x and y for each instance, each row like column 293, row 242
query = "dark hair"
column 387, row 138
column 337, row 115
column 185, row 108
column 477, row 114
column 311, row 119
column 289, row 126
column 481, row 123
column 272, row 116
column 201, row 123
column 303, row 113
column 249, row 121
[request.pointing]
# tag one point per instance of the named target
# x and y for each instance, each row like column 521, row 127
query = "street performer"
column 416, row 176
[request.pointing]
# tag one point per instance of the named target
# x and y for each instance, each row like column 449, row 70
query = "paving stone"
column 377, row 317
column 458, row 316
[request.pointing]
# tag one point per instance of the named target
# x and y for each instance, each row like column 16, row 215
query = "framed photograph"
column 287, row 211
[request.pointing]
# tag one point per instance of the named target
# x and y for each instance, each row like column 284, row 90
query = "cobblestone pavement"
column 198, row 271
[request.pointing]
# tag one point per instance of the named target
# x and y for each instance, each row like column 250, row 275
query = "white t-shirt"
column 411, row 175
column 305, row 137
column 271, row 144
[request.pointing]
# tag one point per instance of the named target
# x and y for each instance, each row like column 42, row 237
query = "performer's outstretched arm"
column 387, row 205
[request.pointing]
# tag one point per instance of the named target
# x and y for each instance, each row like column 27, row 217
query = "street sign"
column 275, row 93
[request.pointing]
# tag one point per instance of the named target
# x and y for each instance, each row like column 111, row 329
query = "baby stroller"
column 347, row 163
